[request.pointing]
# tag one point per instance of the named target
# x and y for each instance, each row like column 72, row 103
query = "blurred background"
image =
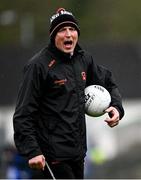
column 111, row 31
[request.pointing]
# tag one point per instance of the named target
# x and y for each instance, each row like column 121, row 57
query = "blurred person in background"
column 49, row 119
column 14, row 165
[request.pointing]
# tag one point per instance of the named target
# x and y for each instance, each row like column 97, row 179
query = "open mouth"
column 68, row 43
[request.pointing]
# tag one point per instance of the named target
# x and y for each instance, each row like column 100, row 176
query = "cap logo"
column 58, row 14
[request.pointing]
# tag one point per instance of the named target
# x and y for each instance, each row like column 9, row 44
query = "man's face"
column 66, row 39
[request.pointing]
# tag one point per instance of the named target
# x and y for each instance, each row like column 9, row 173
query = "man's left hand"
column 113, row 119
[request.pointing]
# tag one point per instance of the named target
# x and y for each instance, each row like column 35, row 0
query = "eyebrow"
column 68, row 27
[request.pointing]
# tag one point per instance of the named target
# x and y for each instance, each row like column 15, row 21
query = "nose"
column 68, row 33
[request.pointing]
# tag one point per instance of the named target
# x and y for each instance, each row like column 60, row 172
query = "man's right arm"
column 23, row 120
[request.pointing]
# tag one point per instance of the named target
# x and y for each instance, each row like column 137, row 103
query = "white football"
column 97, row 100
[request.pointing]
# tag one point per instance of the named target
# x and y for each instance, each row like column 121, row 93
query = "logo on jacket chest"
column 83, row 75
column 60, row 81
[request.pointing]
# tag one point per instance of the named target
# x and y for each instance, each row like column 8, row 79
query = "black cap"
column 60, row 19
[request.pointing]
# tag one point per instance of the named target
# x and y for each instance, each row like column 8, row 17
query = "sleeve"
column 24, row 119
column 116, row 99
column 100, row 75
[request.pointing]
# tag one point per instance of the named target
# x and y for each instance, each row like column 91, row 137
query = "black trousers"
column 69, row 169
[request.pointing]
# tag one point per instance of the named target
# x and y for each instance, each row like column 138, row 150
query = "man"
column 49, row 120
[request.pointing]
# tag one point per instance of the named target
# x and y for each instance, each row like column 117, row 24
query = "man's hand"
column 113, row 118
column 37, row 162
